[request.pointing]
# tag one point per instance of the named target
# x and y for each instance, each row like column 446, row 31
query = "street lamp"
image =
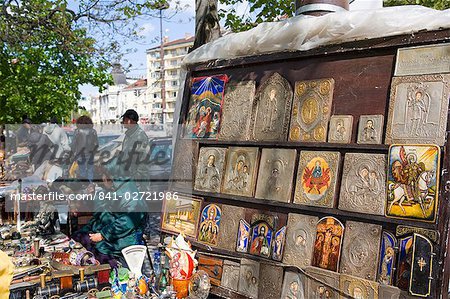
column 162, row 6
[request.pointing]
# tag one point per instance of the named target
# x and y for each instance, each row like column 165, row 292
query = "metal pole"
column 162, row 70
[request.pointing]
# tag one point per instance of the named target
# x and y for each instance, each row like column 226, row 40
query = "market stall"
column 311, row 157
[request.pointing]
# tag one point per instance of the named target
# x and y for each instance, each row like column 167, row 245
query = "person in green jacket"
column 117, row 220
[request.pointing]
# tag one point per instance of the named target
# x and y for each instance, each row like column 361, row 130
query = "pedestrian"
column 134, row 160
column 58, row 137
column 84, row 147
column 23, row 133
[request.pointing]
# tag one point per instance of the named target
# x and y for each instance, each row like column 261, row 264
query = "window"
column 174, row 94
column 173, row 72
column 155, row 95
column 137, row 92
column 174, row 83
column 173, row 62
column 158, row 105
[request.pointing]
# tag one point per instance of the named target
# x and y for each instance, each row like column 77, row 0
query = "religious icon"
column 413, row 179
column 211, row 163
column 210, row 224
column 387, row 258
column 293, row 286
column 271, row 118
column 229, row 226
column 360, row 249
column 418, row 109
column 278, row 244
column 261, row 239
column 405, row 247
column 422, row 262
column 270, row 281
column 230, row 275
column 300, row 237
column 240, row 171
column 311, row 110
column 370, row 130
column 249, row 278
column 181, row 215
column 327, row 246
column 276, row 172
column 316, row 178
column 184, row 155
column 237, row 111
column 243, row 236
column 363, row 187
column 205, row 107
column 358, row 288
column 340, row 129
column 321, row 286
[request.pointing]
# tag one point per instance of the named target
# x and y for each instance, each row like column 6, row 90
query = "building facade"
column 174, row 52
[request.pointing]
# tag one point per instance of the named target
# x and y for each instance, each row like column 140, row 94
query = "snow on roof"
column 307, row 32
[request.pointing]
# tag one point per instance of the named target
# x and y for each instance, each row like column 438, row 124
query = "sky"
column 177, row 27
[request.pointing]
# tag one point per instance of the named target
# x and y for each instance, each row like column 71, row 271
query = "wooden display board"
column 362, row 73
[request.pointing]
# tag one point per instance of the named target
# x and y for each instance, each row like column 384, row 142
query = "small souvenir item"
column 311, row 110
column 387, row 258
column 360, row 249
column 320, row 286
column 213, row 266
column 210, row 225
column 261, row 239
column 237, row 111
column 229, row 226
column 388, row 292
column 241, row 170
column 316, row 178
column 358, row 288
column 340, row 129
column 243, row 236
column 300, row 237
column 181, row 215
column 293, row 286
column 363, row 187
column 370, row 129
column 421, row 60
column 418, row 109
column 405, row 248
column 278, row 244
column 210, row 167
column 422, row 270
column 272, row 112
column 413, row 178
column 276, row 174
column 249, row 278
column 184, row 157
column 181, row 257
column 327, row 246
column 205, row 107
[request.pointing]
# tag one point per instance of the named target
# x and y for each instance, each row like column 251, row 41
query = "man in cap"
column 134, row 161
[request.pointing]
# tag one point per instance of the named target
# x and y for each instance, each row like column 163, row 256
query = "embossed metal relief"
column 316, row 178
column 249, row 278
column 422, row 266
column 363, row 187
column 300, row 237
column 319, row 287
column 418, row 109
column 229, row 225
column 270, row 281
column 429, row 59
column 237, row 111
column 230, row 275
column 388, row 292
column 240, row 171
column 311, row 110
column 341, row 127
column 183, row 164
column 358, row 288
column 370, row 129
column 386, row 266
column 210, row 168
column 293, row 286
column 413, row 182
column 328, row 243
column 276, row 174
column 360, row 249
column 272, row 112
column 402, row 230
